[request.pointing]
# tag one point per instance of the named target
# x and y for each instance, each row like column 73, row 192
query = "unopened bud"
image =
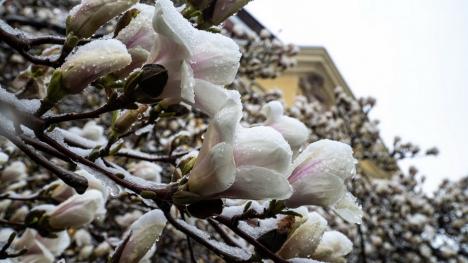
column 87, row 17
column 149, row 84
column 126, row 120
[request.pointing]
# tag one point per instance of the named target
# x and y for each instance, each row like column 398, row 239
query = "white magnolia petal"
column 78, row 210
column 305, row 239
column 348, row 208
column 58, row 244
column 293, row 130
column 273, row 111
column 215, row 58
column 319, row 190
column 335, row 158
column 168, row 22
column 334, row 245
column 262, row 146
column 187, row 83
column 210, row 98
column 214, row 172
column 258, row 183
column 144, row 233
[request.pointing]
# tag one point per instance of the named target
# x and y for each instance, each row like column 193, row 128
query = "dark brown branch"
column 161, row 193
column 259, row 246
column 37, row 24
column 78, row 182
column 111, row 105
column 226, row 238
column 165, row 207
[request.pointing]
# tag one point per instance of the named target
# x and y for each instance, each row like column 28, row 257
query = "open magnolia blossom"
column 86, row 65
column 144, row 232
column 87, row 17
column 293, row 130
column 333, row 247
column 193, row 58
column 317, row 176
column 77, row 210
column 146, row 170
column 139, row 36
column 238, row 162
column 304, row 239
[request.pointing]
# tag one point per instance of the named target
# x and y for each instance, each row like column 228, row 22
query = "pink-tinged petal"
column 318, row 190
column 214, row 172
column 256, row 183
column 264, row 147
column 336, row 159
column 215, row 58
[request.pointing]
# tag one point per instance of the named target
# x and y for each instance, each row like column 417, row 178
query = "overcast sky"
column 409, row 54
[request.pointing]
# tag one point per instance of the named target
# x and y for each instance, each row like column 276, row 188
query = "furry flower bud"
column 76, row 211
column 143, row 234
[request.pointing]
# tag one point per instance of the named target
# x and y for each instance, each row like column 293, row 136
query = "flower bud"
column 293, row 131
column 302, row 242
column 76, row 211
column 85, row 18
column 148, row 84
column 146, row 170
column 3, row 158
column 92, row 61
column 143, row 234
column 126, row 120
column 16, row 171
column 226, row 8
column 333, row 247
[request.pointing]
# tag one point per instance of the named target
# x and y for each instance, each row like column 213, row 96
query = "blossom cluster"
column 157, row 64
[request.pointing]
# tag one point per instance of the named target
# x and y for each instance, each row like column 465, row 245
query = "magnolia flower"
column 238, row 162
column 88, row 63
column 317, row 177
column 193, row 58
column 333, row 247
column 293, row 130
column 85, row 18
column 16, row 171
column 143, row 234
column 303, row 240
column 76, row 211
column 146, row 170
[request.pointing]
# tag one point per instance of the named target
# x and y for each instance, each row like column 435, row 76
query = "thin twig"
column 259, row 246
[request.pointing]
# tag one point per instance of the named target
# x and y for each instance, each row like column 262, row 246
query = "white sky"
column 409, row 54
